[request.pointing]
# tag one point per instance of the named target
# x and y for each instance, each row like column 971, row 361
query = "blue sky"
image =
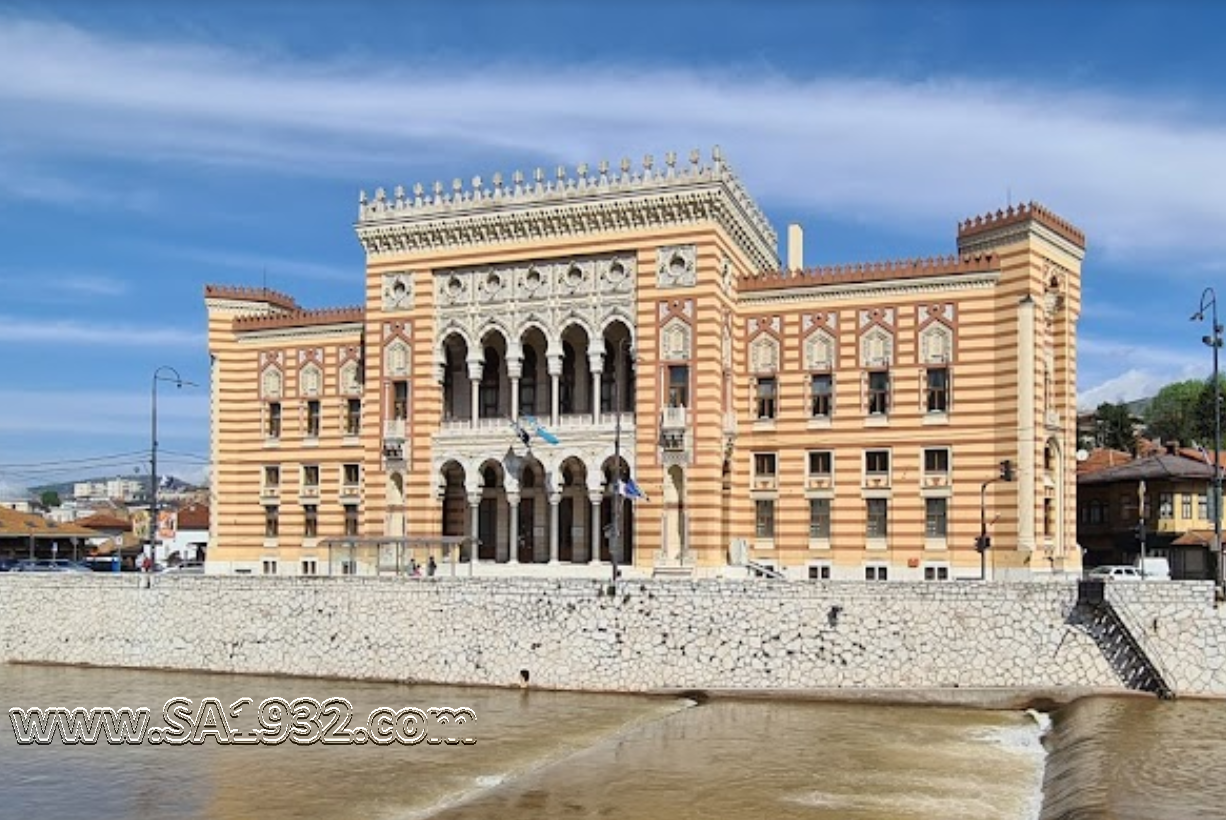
column 147, row 149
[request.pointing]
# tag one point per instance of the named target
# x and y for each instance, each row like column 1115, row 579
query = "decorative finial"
column 400, row 193
column 561, row 172
column 717, row 155
column 476, row 183
column 582, row 169
column 438, row 189
column 695, row 157
column 648, row 161
column 498, row 179
column 625, row 166
column 362, row 200
column 670, row 158
column 604, row 167
column 518, row 178
column 380, row 195
column 457, row 185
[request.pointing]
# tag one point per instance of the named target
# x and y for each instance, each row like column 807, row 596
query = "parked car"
column 49, row 565
column 186, row 568
column 8, row 564
column 1154, row 569
column 1114, row 573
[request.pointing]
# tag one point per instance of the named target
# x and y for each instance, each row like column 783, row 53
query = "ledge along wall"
column 572, row 635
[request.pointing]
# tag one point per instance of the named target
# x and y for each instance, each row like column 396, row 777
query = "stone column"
column 474, row 527
column 475, row 366
column 555, row 502
column 1026, row 423
column 513, row 543
column 595, row 496
column 514, row 370
column 595, row 360
column 555, row 377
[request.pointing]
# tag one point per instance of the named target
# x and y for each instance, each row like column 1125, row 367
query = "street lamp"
column 1208, row 299
column 153, row 456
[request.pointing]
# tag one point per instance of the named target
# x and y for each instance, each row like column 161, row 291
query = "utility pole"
column 1208, row 299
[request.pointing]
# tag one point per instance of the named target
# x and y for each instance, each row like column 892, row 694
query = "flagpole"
column 616, row 541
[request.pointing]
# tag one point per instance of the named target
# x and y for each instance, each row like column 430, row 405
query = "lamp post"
column 153, row 456
column 1208, row 299
column 615, row 542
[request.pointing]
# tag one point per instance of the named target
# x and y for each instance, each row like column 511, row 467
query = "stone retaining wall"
column 571, row 634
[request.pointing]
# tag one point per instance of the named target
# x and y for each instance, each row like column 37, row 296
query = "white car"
column 1114, row 573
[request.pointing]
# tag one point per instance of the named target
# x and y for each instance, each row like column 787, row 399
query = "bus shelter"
column 396, row 555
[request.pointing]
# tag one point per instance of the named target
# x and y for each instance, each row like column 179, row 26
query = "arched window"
column 527, row 382
column 566, row 387
column 489, row 384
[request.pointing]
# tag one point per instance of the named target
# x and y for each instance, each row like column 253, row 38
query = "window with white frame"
column 878, row 392
column 819, row 518
column 272, row 476
column 877, row 462
column 351, row 519
column 821, row 395
column 876, row 572
column 878, row 513
column 936, row 517
column 1185, row 506
column 273, row 420
column 310, row 521
column 314, row 415
column 765, row 465
column 353, row 417
column 767, row 397
column 936, row 460
column 310, row 476
column 351, row 476
column 1166, row 505
column 764, row 518
column 400, row 400
column 936, row 572
column 270, row 567
column 821, row 463
column 271, row 521
column 937, row 390
column 309, row 566
column 819, row 572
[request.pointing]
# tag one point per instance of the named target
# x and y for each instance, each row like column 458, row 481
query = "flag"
column 545, row 435
column 521, row 433
column 630, row 490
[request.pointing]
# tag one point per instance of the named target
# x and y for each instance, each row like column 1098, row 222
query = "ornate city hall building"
column 527, row 343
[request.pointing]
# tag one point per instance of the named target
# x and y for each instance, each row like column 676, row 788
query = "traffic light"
column 1006, row 470
column 1139, row 531
column 983, row 542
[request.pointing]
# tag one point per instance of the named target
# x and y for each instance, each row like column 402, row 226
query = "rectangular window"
column 313, row 418
column 764, row 465
column 819, row 518
column 1186, row 506
column 272, row 475
column 821, row 462
column 310, row 475
column 1166, row 505
column 349, row 567
column 878, row 518
column 819, row 572
column 877, row 462
column 936, row 460
column 1202, row 507
column 767, row 397
column 936, row 573
column 352, row 475
column 678, row 385
column 270, row 567
column 351, row 519
column 353, row 417
column 274, row 419
column 876, row 573
column 310, row 521
column 764, row 526
column 935, row 517
column 400, row 400
column 308, row 566
column 271, row 523
column 879, row 392
column 821, row 394
column 938, row 390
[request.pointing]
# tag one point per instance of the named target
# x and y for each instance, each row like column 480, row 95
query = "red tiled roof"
column 870, row 272
column 194, row 517
column 1194, row 538
column 13, row 523
column 272, row 297
column 102, row 521
column 1204, row 456
column 1101, row 459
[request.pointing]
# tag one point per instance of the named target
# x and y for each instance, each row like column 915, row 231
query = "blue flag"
column 545, row 435
column 629, row 489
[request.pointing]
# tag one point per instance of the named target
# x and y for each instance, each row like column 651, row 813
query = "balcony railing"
column 394, row 429
column 765, row 482
column 819, row 482
column 351, row 490
column 673, row 418
column 309, row 491
column 269, row 491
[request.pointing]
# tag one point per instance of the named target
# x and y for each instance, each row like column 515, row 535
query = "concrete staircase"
column 1122, row 641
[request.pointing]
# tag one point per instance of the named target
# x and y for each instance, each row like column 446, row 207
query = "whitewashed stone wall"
column 571, row 634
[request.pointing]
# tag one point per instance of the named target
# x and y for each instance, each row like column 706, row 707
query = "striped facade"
column 844, row 422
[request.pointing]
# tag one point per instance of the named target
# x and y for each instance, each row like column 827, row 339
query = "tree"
column 1203, row 413
column 50, row 499
column 1176, row 413
column 1115, row 427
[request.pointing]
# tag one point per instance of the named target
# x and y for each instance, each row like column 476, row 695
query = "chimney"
column 796, row 247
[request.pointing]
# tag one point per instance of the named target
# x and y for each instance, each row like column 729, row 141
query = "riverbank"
column 969, row 641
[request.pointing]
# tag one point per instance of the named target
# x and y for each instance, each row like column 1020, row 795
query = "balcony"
column 819, row 482
column 309, row 491
column 269, row 492
column 673, row 418
column 577, row 429
column 351, row 492
column 394, row 429
column 936, row 479
column 877, row 480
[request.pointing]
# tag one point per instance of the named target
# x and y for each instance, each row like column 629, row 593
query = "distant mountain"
column 166, row 483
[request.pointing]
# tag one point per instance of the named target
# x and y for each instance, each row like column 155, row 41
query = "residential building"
column 847, row 421
column 1169, row 493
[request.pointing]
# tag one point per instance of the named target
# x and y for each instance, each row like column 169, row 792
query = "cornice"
column 340, row 330
column 571, row 207
column 880, row 288
column 989, row 241
column 242, row 307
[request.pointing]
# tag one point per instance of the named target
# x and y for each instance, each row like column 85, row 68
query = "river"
column 566, row 755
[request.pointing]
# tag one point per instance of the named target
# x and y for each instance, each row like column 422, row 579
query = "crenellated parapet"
column 990, row 224
column 563, row 204
column 236, row 293
column 302, row 318
column 859, row 272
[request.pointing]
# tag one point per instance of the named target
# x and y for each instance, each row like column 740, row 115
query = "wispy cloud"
column 110, row 412
column 1149, row 368
column 256, row 264
column 53, row 287
column 1143, row 175
column 21, row 330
